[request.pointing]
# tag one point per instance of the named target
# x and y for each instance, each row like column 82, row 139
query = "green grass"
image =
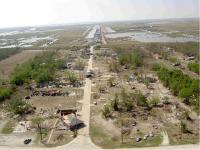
column 8, row 127
column 173, row 59
column 194, row 66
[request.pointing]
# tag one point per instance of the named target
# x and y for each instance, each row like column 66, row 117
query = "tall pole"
column 40, row 129
column 121, row 128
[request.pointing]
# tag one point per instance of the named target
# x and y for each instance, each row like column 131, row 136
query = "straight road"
column 83, row 141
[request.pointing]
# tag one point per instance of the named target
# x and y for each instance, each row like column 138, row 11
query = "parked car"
column 27, row 141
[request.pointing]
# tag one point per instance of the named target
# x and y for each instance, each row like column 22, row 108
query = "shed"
column 71, row 121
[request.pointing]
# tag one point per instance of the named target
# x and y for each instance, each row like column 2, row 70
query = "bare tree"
column 37, row 121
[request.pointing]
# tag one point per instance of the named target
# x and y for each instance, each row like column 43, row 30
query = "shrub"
column 18, row 106
column 5, row 93
column 183, row 127
column 154, row 101
column 135, row 59
column 106, row 112
column 193, row 66
column 115, row 103
column 72, row 78
column 173, row 59
column 126, row 101
column 114, row 67
column 141, row 100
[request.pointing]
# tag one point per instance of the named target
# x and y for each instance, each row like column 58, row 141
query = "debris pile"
column 52, row 92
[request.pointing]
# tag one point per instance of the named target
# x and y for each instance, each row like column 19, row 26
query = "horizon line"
column 95, row 22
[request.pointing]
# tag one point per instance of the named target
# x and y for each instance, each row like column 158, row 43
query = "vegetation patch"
column 8, row 127
column 188, row 48
column 181, row 85
column 134, row 59
column 7, row 52
column 19, row 106
column 41, row 69
column 5, row 93
column 194, row 66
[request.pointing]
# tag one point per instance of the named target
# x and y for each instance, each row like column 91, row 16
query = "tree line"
column 7, row 52
column 180, row 84
column 41, row 69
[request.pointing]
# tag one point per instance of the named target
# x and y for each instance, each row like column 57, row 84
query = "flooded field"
column 28, row 37
column 28, row 42
column 29, row 30
column 109, row 30
column 148, row 36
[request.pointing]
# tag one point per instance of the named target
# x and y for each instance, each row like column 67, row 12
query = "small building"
column 72, row 122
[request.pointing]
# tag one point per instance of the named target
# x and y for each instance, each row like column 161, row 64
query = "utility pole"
column 40, row 130
column 75, row 131
column 121, row 129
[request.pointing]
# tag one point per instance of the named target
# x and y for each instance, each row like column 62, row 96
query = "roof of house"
column 71, row 120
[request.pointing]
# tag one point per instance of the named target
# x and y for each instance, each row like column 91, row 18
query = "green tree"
column 72, row 78
column 126, row 103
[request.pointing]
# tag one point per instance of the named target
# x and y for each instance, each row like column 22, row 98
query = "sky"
column 43, row 12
